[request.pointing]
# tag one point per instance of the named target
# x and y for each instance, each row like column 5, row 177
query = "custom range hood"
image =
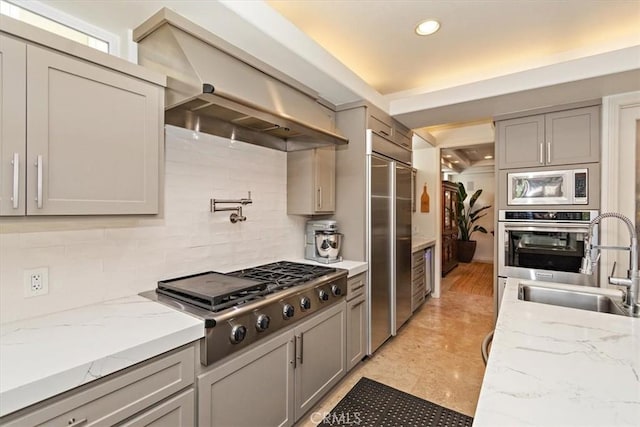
column 216, row 88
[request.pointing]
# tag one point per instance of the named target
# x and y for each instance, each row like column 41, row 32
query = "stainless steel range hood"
column 213, row 87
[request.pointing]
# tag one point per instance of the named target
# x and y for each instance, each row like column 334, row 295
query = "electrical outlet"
column 36, row 282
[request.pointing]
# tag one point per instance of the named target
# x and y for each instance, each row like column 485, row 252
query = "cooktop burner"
column 283, row 274
column 216, row 291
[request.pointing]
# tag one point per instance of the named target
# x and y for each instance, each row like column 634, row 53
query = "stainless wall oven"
column 544, row 245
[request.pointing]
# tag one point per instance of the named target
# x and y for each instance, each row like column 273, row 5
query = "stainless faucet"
column 237, row 215
column 592, row 255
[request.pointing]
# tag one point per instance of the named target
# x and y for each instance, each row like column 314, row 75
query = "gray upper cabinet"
column 13, row 125
column 402, row 136
column 311, row 181
column 87, row 137
column 558, row 138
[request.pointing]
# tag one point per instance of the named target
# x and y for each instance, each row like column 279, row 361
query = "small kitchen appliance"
column 323, row 242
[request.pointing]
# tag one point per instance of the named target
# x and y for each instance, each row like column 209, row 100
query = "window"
column 40, row 21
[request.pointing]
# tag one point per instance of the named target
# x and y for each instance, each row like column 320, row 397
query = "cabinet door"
column 573, row 136
column 95, row 135
column 325, row 179
column 253, row 389
column 356, row 331
column 13, row 122
column 176, row 411
column 520, row 142
column 320, row 348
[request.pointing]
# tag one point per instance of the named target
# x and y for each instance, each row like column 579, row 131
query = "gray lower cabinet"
column 320, row 345
column 356, row 320
column 558, row 138
column 255, row 389
column 138, row 392
column 275, row 383
column 76, row 138
column 418, row 280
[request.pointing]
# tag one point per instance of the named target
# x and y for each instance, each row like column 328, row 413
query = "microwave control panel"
column 581, row 191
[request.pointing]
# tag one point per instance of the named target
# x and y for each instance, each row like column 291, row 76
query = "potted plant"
column 466, row 219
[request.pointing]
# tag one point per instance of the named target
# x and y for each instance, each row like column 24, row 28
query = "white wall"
column 473, row 179
column 91, row 263
column 424, row 159
column 620, row 123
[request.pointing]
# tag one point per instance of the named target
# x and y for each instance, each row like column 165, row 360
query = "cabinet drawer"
column 355, row 286
column 402, row 138
column 417, row 301
column 379, row 127
column 418, row 270
column 177, row 411
column 118, row 397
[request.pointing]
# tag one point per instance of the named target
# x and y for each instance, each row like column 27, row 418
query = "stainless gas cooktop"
column 244, row 306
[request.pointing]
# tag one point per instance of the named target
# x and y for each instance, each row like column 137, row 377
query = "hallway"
column 436, row 356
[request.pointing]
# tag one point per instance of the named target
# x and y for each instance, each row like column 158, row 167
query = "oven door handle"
column 580, row 228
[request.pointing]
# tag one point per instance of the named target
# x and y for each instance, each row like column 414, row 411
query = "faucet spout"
column 592, row 254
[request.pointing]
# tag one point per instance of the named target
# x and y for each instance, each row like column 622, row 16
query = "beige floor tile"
column 436, row 355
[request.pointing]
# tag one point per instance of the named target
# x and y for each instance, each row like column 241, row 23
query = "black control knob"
column 263, row 322
column 288, row 311
column 323, row 295
column 238, row 333
column 335, row 290
column 305, row 303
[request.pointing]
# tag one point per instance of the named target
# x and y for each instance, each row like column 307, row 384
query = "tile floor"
column 436, row 355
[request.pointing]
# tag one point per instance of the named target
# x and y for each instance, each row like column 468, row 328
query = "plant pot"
column 466, row 250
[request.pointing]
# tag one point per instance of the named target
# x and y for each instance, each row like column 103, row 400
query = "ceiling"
column 458, row 159
column 477, row 40
column 490, row 57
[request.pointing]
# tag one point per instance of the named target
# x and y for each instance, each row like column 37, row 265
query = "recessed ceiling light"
column 456, row 161
column 447, row 156
column 427, row 27
column 488, row 157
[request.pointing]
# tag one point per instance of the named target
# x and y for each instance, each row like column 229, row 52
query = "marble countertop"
column 557, row 366
column 421, row 242
column 354, row 267
column 47, row 355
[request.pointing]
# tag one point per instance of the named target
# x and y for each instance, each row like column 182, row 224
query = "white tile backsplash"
column 91, row 263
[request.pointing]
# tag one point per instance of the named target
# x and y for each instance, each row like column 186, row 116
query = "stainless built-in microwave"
column 548, row 187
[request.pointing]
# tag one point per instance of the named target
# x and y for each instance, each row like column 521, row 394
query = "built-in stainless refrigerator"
column 388, row 238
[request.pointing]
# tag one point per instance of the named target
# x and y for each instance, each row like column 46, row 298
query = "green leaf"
column 462, row 193
column 474, row 198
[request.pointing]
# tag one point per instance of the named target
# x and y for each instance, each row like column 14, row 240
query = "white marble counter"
column 556, row 366
column 354, row 267
column 45, row 356
column 421, row 242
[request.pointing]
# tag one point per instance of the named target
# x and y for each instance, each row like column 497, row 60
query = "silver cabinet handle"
column 319, row 197
column 541, row 153
column 549, row 152
column 16, row 180
column 301, row 347
column 39, row 191
column 294, row 362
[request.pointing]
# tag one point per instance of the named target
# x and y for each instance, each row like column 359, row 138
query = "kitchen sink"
column 569, row 298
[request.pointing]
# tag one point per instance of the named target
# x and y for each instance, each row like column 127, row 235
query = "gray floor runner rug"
column 372, row 404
